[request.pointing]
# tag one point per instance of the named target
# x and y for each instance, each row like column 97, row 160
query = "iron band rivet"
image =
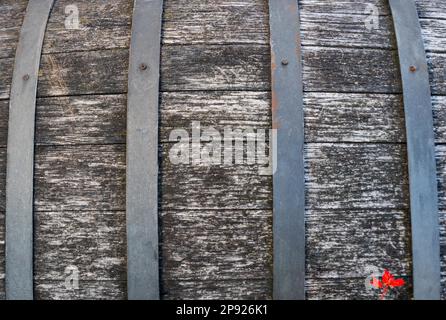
column 284, row 62
column 26, row 77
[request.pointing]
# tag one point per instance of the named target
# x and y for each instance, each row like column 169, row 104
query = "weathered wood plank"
column 426, row 8
column 260, row 289
column 2, row 179
column 215, row 22
column 88, row 290
column 329, row 117
column 2, row 256
column 106, row 24
column 357, row 7
column 431, row 8
column 433, row 31
column 349, row 70
column 437, row 71
column 81, row 120
column 237, row 67
column 93, row 242
column 340, row 117
column 216, row 245
column 75, row 178
column 101, row 25
column 341, row 244
column 12, row 13
column 356, row 176
column 4, row 116
column 346, row 30
column 443, row 252
column 338, row 176
column 441, row 174
column 351, row 289
column 213, row 187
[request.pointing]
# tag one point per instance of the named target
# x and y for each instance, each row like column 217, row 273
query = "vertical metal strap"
column 421, row 150
column 288, row 180
column 20, row 162
column 142, row 151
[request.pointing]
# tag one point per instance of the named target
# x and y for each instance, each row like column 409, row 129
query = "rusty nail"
column 413, row 68
column 143, row 66
column 26, row 77
column 284, row 62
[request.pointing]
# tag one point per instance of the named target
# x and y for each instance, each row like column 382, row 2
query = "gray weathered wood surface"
column 216, row 222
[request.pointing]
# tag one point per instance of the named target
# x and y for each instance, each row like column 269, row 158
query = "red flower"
column 387, row 282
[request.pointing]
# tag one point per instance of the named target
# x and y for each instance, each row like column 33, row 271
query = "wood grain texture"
column 2, row 180
column 232, row 67
column 329, row 117
column 88, row 290
column 12, row 13
column 356, row 176
column 343, row 243
column 216, row 245
column 426, row 8
column 80, row 178
column 351, row 289
column 215, row 22
column 215, row 69
column 226, row 290
column 93, row 242
column 81, row 120
column 2, row 256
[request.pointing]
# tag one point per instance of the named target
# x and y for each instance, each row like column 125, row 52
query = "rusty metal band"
column 420, row 149
column 288, row 175
column 20, row 159
column 142, row 151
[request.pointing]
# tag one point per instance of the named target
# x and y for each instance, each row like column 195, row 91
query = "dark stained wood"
column 340, row 245
column 93, row 242
column 349, row 70
column 215, row 22
column 237, row 67
column 216, row 245
column 356, row 176
column 80, row 178
column 12, row 13
column 2, row 255
column 208, row 290
column 2, row 180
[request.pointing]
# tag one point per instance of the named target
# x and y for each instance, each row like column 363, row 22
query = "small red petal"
column 397, row 283
column 376, row 283
column 387, row 277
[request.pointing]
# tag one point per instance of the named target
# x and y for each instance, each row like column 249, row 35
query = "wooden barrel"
column 216, row 220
